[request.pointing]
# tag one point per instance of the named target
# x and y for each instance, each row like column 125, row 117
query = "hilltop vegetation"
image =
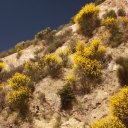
column 73, row 77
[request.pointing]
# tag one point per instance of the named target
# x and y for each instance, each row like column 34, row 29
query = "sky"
column 20, row 20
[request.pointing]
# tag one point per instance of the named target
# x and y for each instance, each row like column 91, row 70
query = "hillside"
column 66, row 78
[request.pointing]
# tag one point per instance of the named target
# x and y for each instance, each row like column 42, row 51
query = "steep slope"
column 47, row 113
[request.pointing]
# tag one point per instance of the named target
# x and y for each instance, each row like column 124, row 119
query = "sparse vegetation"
column 46, row 34
column 19, row 53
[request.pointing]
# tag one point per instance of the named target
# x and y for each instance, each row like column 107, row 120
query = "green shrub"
column 19, row 53
column 111, row 14
column 53, row 64
column 108, row 122
column 87, row 18
column 119, row 105
column 121, row 12
column 67, row 97
column 46, row 34
column 20, row 46
column 122, row 71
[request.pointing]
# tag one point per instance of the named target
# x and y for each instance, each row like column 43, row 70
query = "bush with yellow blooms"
column 119, row 104
column 87, row 18
column 19, row 80
column 113, row 26
column 53, row 64
column 108, row 122
column 20, row 91
column 2, row 65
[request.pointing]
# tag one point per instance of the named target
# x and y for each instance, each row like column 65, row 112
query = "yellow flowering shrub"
column 80, row 46
column 20, row 91
column 53, row 63
column 87, row 18
column 1, row 87
column 87, row 67
column 87, row 62
column 70, row 79
column 113, row 26
column 108, row 122
column 19, row 80
column 1, row 66
column 96, row 50
column 119, row 104
column 18, row 97
column 110, row 22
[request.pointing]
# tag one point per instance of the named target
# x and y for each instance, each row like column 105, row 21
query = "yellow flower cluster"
column 119, row 104
column 80, row 46
column 53, row 64
column 88, row 59
column 2, row 66
column 124, row 19
column 88, row 9
column 64, row 52
column 108, row 122
column 17, row 97
column 90, row 68
column 110, row 22
column 118, row 112
column 19, row 80
column 70, row 78
column 20, row 91
column 30, row 66
column 95, row 50
column 1, row 87
column 51, row 59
